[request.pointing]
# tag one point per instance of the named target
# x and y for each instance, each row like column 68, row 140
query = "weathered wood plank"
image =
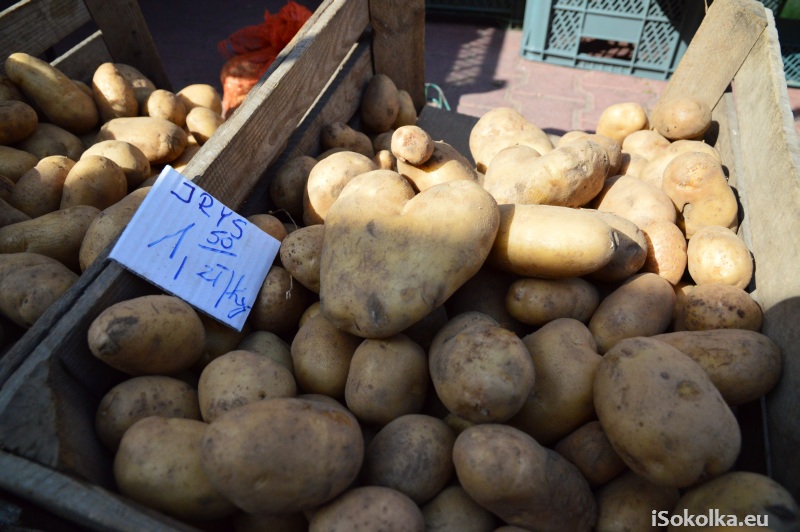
column 399, row 44
column 82, row 60
column 724, row 38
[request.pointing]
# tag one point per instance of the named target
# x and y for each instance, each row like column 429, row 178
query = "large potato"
column 646, row 142
column 501, row 128
column 720, row 306
column 94, row 180
column 269, row 345
column 341, row 135
column 681, row 118
column 525, row 484
column 283, row 455
column 142, row 86
column 444, row 164
column 666, row 251
column 160, row 140
column 200, row 95
column 29, row 284
column 64, row 104
column 156, row 334
column 663, row 415
column 327, row 179
column 486, row 292
column 39, row 190
column 376, row 281
column 17, row 121
column 653, row 171
column 370, row 508
column 202, row 123
column 165, row 104
column 113, row 93
column 412, row 144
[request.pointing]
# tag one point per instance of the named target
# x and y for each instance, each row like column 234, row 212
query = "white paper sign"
column 189, row 244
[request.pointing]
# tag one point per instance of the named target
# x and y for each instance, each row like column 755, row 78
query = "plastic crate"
column 644, row 38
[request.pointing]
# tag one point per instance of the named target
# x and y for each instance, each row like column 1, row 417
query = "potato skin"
column 50, row 139
column 341, row 135
column 539, row 301
column 279, row 304
column 627, row 502
column 131, row 159
column 720, row 306
column 666, row 251
column 165, row 104
column 94, row 180
column 200, row 95
column 619, row 120
column 326, row 181
column 160, row 140
column 412, row 144
column 113, row 93
column 682, row 118
column 445, row 164
column 663, row 415
column 202, row 123
column 380, row 104
column 39, row 190
column 15, row 162
column 17, row 121
column 636, row 200
column 453, row 509
column 631, row 252
column 27, row 292
column 156, row 334
column 716, row 254
column 300, row 254
column 500, row 128
column 107, row 225
column 289, row 183
column 370, row 507
column 589, row 449
column 252, row 456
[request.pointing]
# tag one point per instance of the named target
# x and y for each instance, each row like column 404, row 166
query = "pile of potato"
column 554, row 338
column 75, row 163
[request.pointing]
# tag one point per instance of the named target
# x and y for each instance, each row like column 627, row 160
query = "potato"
column 589, row 449
column 113, row 93
column 525, row 484
column 370, row 507
column 486, row 292
column 10, row 215
column 158, row 464
column 300, row 254
column 453, row 509
column 719, row 306
column 220, row 339
column 9, row 91
column 569, row 176
column 142, row 86
column 38, row 191
column 269, row 345
column 632, row 164
column 64, row 104
column 165, row 104
column 641, row 306
column 154, row 334
column 269, row 224
column 445, row 164
column 631, row 252
column 326, row 181
column 131, row 159
column 341, row 135
column 697, row 186
column 141, row 397
column 407, row 115
column 744, row 365
column 412, row 454
column 200, row 95
column 15, row 162
column 238, row 378
column 29, row 288
column 50, row 139
column 380, row 104
column 94, row 180
column 387, row 378
column 715, row 254
column 483, row 373
column 565, row 360
column 619, row 120
column 17, row 121
column 682, row 290
column 663, row 415
column 501, row 128
column 551, row 242
column 740, row 495
column 412, row 145
column 636, row 200
column 160, row 140
column 107, row 226
column 628, row 503
column 374, row 280
column 253, row 457
column 612, row 149
column 646, row 143
column 279, row 303
column 653, row 172
column 202, row 123
column 666, row 251
column 58, row 234
column 288, row 184
column 539, row 301
column 681, row 118
column 385, row 160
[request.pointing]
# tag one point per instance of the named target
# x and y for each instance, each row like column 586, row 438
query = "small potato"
column 289, row 183
column 156, row 334
column 589, row 449
column 94, row 180
column 341, row 135
column 641, row 306
column 565, row 360
column 453, row 509
column 200, row 95
column 279, row 303
column 370, row 508
column 681, row 118
column 501, row 128
column 17, row 121
column 387, row 378
column 663, row 415
column 619, row 120
column 326, row 181
column 445, row 164
column 385, row 160
column 380, row 104
column 131, row 159
column 202, row 123
column 39, row 190
column 716, row 254
column 142, row 86
column 160, row 140
column 407, row 115
column 15, row 162
column 107, row 226
column 412, row 145
column 490, row 461
column 238, row 378
column 631, row 252
column 284, row 455
column 165, row 104
column 57, row 234
column 50, row 139
column 270, row 225
column 720, row 306
column 636, row 200
column 539, row 301
column 269, row 345
column 113, row 93
column 647, row 143
column 666, row 251
column 27, row 292
column 300, row 254
column 159, row 464
column 627, row 503
column 141, row 397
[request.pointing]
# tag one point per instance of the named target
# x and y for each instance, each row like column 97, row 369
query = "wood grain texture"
column 718, row 48
column 399, row 44
column 82, row 60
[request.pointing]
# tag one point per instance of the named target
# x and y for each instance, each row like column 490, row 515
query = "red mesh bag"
column 252, row 49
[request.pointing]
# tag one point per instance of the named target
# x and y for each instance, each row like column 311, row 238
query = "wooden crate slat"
column 81, row 61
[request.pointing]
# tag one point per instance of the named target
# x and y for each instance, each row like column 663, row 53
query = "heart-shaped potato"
column 390, row 257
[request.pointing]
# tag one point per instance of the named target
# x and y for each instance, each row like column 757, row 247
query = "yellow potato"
column 445, row 164
column 407, row 115
column 371, row 508
column 619, row 120
column 94, row 180
column 200, row 95
column 113, row 93
column 636, row 200
column 160, row 140
column 300, row 254
column 288, row 185
column 142, row 86
column 716, row 254
column 279, row 303
column 589, row 449
column 15, row 162
column 50, row 139
column 666, row 251
column 627, row 503
column 341, row 135
column 327, row 179
column 165, row 104
column 131, row 159
column 202, row 123
column 30, row 284
column 681, row 118
column 539, row 301
column 500, row 128
column 720, row 306
column 412, row 145
column 39, row 190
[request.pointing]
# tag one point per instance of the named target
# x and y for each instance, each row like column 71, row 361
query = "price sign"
column 186, row 242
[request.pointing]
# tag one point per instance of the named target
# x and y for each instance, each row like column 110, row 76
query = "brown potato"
column 94, row 180
column 39, row 190
column 589, row 449
column 666, row 251
column 17, row 121
column 383, row 141
column 165, row 104
column 370, row 507
column 341, row 135
column 288, row 185
column 131, row 159
column 715, row 254
column 50, row 139
column 326, row 181
column 380, row 104
column 619, row 120
column 279, row 303
column 160, row 140
column 113, row 93
column 220, row 339
column 300, row 254
column 681, row 118
column 486, row 292
column 10, row 215
column 539, row 301
column 202, row 123
column 720, row 306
